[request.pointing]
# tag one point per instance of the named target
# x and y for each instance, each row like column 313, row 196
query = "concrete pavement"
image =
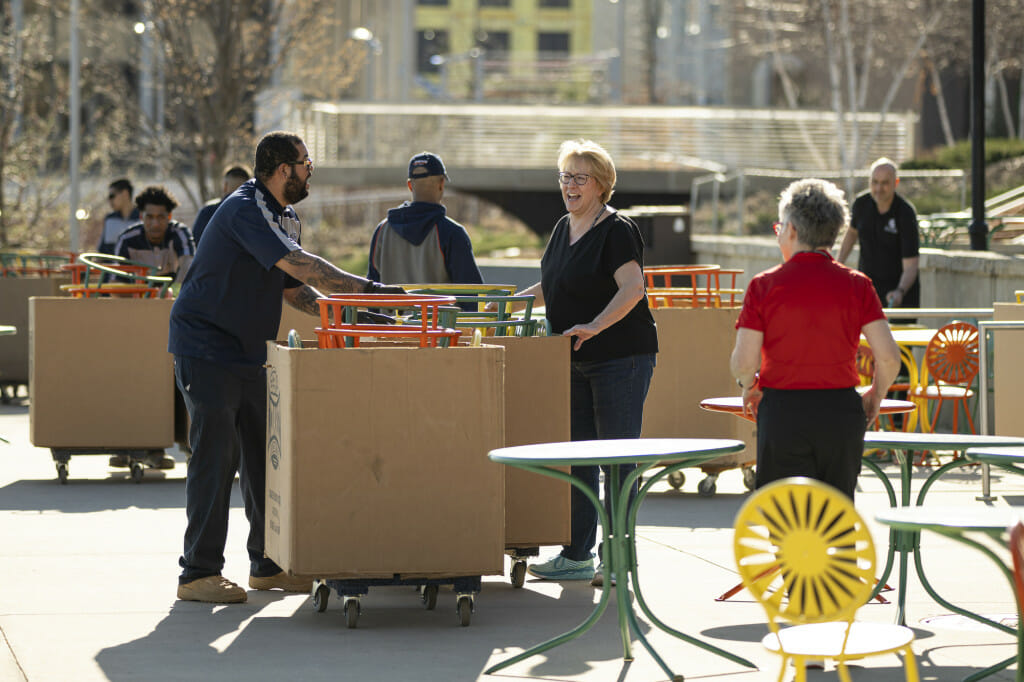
column 88, row 573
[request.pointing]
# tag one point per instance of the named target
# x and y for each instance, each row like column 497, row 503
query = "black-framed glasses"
column 307, row 162
column 778, row 225
column 578, row 179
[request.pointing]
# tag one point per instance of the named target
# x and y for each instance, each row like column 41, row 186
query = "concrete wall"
column 949, row 279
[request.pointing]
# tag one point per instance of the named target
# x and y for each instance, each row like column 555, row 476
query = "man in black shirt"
column 885, row 224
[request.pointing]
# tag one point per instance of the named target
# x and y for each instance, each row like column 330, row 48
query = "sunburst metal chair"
column 806, row 556
column 952, row 361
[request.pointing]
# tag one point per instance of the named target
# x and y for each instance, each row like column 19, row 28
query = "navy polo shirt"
column 229, row 305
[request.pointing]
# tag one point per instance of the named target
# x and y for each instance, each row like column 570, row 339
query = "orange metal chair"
column 340, row 328
column 952, row 361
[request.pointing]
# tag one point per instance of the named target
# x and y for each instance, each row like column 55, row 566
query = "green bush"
column 959, row 155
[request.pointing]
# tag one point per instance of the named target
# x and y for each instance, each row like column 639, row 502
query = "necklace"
column 600, row 212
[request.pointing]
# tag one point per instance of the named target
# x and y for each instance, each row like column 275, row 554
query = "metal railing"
column 638, row 137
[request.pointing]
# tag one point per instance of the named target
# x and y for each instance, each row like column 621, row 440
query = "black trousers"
column 228, row 409
column 813, row 433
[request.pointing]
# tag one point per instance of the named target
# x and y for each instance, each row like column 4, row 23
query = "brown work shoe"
column 215, row 589
column 281, row 581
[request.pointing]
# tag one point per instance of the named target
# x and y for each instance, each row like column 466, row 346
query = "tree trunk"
column 940, row 100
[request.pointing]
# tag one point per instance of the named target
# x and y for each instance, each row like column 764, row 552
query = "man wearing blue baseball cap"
column 418, row 243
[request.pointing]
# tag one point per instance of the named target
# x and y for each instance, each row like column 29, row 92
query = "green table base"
column 620, row 560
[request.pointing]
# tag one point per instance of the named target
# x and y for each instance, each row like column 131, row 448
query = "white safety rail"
column 638, row 137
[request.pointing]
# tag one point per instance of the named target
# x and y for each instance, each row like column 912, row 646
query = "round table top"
column 996, row 455
column 734, row 404
column 961, row 518
column 616, row 451
column 901, row 440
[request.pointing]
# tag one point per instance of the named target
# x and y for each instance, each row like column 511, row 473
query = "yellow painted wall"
column 522, row 20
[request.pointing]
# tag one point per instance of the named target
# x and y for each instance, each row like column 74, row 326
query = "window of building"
column 430, row 43
column 495, row 42
column 431, row 2
column 554, row 3
column 495, row 3
column 553, row 44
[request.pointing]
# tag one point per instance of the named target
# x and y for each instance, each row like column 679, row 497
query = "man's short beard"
column 294, row 190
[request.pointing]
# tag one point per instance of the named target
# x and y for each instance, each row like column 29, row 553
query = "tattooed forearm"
column 304, row 299
column 318, row 273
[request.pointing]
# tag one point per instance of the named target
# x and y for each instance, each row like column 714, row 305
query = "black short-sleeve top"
column 578, row 281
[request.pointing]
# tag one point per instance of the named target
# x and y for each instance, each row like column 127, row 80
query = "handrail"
column 984, row 327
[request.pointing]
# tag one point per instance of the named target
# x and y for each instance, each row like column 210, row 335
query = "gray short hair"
column 817, row 209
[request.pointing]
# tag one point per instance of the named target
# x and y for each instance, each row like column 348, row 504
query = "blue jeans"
column 607, row 399
column 228, row 409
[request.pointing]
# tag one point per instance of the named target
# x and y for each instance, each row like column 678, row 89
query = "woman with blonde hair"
column 592, row 286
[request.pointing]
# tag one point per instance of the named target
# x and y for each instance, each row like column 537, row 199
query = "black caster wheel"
column 464, row 607
column 138, row 471
column 518, row 573
column 676, row 479
column 750, row 478
column 707, row 487
column 321, row 595
column 352, row 610
column 62, row 473
column 429, row 597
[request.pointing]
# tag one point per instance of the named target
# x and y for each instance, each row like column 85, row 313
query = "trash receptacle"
column 666, row 233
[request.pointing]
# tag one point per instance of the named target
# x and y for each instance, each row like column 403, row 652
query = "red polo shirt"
column 811, row 310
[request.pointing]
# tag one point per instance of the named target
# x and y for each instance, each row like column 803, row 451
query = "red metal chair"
column 952, row 361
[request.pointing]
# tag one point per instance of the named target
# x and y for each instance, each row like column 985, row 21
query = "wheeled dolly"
column 350, row 592
column 138, row 459
column 517, row 573
column 709, row 485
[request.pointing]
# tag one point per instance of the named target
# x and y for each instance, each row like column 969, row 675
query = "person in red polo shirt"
column 796, row 345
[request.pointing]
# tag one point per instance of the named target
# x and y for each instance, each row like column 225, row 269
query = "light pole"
column 75, row 128
column 373, row 47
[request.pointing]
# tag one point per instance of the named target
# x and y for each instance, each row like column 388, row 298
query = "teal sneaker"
column 598, row 580
column 561, row 568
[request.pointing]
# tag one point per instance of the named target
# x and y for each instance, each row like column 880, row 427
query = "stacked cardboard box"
column 100, row 373
column 377, row 461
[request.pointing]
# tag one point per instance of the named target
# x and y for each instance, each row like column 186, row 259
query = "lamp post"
column 978, row 229
column 373, row 48
column 74, row 63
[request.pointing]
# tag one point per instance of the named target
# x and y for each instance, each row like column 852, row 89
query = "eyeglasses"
column 777, row 226
column 578, row 179
column 308, row 162
column 111, row 196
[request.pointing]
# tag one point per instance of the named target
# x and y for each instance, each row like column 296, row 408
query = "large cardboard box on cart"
column 693, row 364
column 15, row 293
column 377, row 461
column 536, row 411
column 100, row 373
column 1008, row 366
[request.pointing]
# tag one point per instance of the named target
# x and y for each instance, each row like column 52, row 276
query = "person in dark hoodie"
column 417, row 242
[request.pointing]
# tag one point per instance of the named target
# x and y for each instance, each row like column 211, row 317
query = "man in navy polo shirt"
column 229, row 306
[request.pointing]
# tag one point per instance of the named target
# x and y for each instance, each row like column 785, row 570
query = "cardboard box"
column 537, row 511
column 14, row 295
column 377, row 461
column 693, row 364
column 100, row 373
column 1008, row 371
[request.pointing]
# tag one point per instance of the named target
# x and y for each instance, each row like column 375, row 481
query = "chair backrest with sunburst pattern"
column 804, row 552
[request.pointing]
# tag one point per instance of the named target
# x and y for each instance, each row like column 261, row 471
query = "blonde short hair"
column 602, row 168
